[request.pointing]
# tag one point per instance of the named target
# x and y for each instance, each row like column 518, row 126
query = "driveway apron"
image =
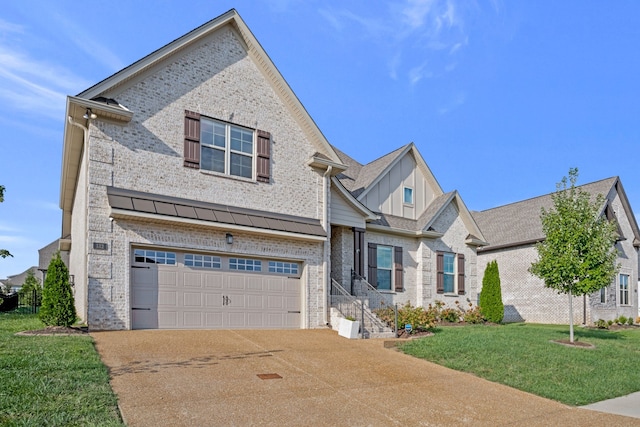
column 307, row 378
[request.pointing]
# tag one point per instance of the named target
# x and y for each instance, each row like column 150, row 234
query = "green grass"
column 522, row 356
column 52, row 381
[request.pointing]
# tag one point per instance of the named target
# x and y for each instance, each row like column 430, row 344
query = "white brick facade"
column 526, row 298
column 215, row 78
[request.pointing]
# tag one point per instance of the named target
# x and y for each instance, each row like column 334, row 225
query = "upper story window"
column 226, row 148
column 408, row 195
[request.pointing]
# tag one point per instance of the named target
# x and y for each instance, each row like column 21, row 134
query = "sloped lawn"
column 522, row 356
column 51, row 380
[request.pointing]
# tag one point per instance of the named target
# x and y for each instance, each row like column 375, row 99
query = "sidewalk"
column 625, row 405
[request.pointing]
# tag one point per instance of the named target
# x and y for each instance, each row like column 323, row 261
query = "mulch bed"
column 57, row 330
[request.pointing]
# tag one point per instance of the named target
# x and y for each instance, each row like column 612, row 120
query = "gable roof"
column 359, row 179
column 94, row 98
column 423, row 225
column 519, row 223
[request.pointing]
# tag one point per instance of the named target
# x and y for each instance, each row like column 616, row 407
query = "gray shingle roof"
column 358, row 177
column 415, row 225
column 519, row 223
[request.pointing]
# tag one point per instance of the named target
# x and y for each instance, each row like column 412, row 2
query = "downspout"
column 85, row 155
column 325, row 263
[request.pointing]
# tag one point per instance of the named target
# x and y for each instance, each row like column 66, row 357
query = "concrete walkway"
column 626, row 405
column 307, row 378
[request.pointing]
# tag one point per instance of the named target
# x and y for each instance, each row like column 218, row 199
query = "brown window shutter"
column 397, row 266
column 191, row 139
column 373, row 265
column 440, row 273
column 263, row 161
column 460, row 274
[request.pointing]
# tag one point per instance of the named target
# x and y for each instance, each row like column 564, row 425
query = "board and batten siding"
column 343, row 214
column 386, row 196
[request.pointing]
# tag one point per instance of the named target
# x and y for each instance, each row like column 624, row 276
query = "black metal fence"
column 23, row 302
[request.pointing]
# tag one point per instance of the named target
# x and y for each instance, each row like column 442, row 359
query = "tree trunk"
column 570, row 317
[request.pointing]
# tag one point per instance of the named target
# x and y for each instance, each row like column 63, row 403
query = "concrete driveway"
column 307, row 378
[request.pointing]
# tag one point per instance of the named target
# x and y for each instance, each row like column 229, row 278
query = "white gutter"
column 325, row 263
column 85, row 158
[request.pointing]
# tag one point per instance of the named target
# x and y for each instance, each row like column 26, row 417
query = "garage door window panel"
column 154, row 257
column 245, row 264
column 202, row 261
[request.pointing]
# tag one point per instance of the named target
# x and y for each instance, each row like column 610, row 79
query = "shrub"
column 58, row 308
column 621, row 320
column 609, row 322
column 638, row 319
column 417, row 317
column 473, row 315
column 602, row 324
column 630, row 321
column 491, row 304
column 450, row 315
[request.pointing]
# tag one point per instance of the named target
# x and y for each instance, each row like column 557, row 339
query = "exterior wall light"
column 229, row 238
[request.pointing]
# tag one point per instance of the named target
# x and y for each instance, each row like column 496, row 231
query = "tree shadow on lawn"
column 586, row 333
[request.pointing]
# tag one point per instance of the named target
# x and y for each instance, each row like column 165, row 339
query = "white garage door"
column 172, row 290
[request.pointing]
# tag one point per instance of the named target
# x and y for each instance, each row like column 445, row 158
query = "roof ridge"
column 545, row 195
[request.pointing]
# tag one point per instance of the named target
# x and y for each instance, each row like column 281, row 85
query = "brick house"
column 512, row 231
column 198, row 193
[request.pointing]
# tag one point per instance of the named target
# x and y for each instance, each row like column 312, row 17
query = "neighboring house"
column 512, row 231
column 17, row 280
column 44, row 258
column 198, row 193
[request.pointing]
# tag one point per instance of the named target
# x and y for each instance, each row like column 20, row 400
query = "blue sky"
column 500, row 97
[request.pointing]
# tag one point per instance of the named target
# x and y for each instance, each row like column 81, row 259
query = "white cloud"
column 416, row 11
column 418, row 31
column 30, row 83
column 457, row 101
column 8, row 27
column 85, row 42
column 418, row 73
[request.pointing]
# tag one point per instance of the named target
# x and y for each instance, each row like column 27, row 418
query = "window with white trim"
column 245, row 264
column 449, row 272
column 154, row 257
column 202, row 261
column 283, row 267
column 624, row 289
column 226, row 148
column 385, row 267
column 407, row 196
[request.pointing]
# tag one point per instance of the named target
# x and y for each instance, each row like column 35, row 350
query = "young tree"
column 31, row 290
column 578, row 255
column 3, row 252
column 491, row 304
column 58, row 307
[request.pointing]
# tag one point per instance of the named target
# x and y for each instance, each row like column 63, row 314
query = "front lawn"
column 46, row 380
column 522, row 356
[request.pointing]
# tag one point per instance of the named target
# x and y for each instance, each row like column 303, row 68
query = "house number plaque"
column 100, row 246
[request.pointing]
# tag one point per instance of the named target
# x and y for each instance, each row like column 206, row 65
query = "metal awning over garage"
column 135, row 204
